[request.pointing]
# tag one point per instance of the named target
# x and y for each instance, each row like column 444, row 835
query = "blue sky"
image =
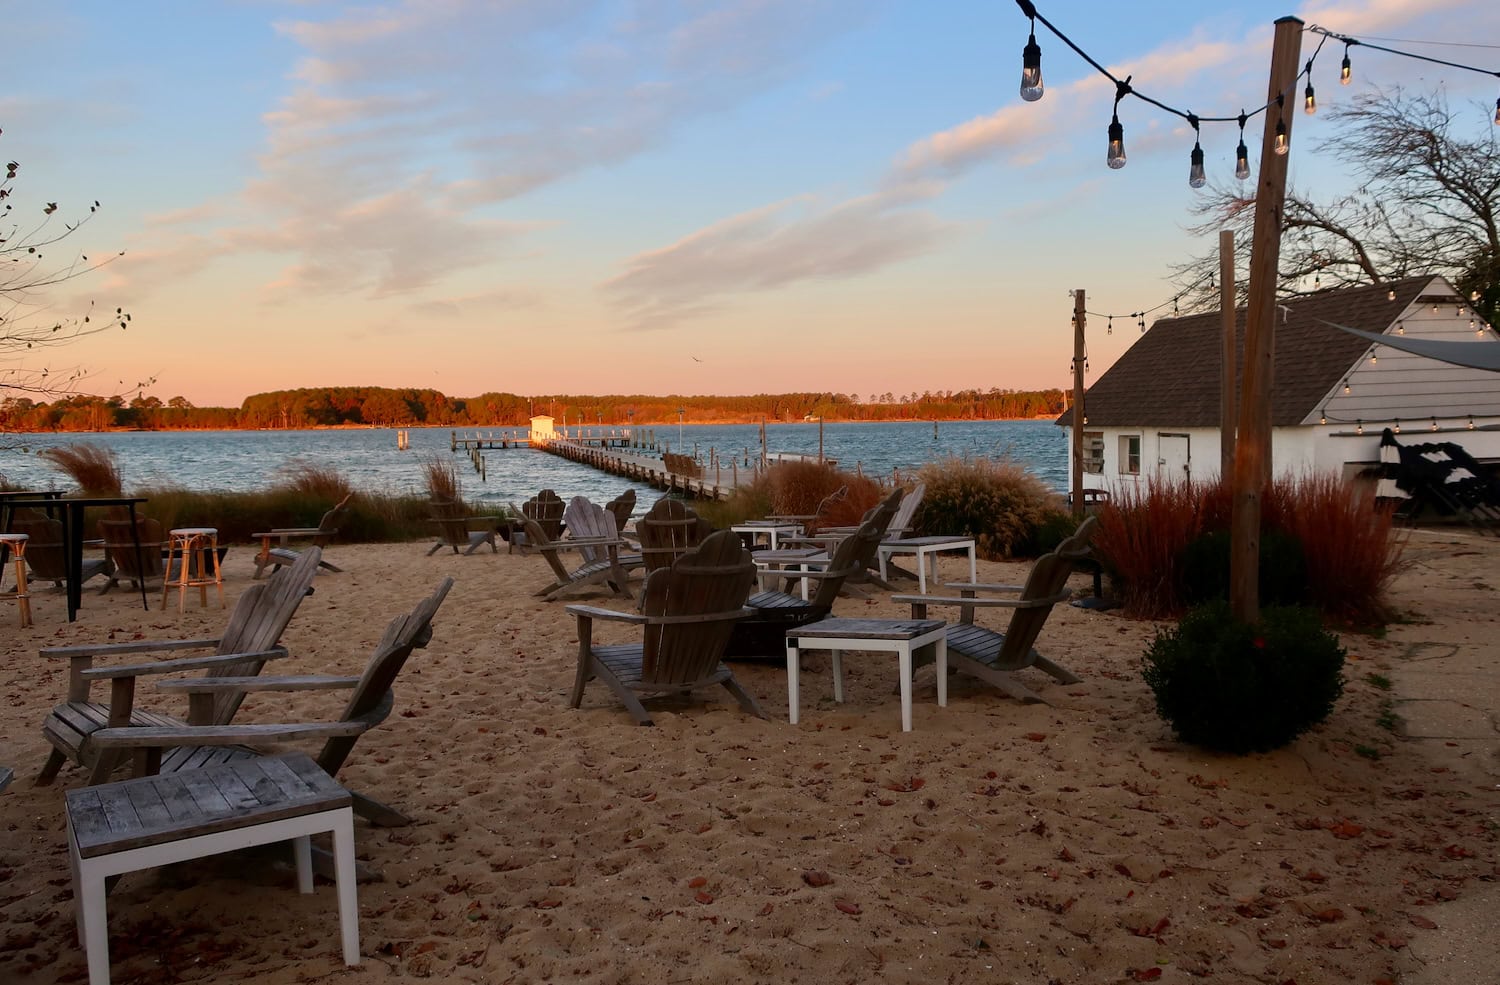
column 656, row 196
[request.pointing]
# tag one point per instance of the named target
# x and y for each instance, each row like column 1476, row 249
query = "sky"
column 658, row 196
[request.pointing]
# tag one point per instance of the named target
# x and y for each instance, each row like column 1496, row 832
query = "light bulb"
column 1345, row 72
column 1497, row 112
column 1391, row 294
column 1474, row 295
column 1359, row 427
column 1196, row 177
column 1031, row 70
column 1309, row 101
column 1471, row 424
column 1282, row 145
column 1346, row 386
column 1323, row 419
column 1241, row 161
column 1401, row 328
column 1434, row 423
column 1397, row 428
column 1116, row 156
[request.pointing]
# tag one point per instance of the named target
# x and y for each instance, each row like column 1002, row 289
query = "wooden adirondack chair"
column 119, row 546
column 320, row 536
column 883, row 513
column 250, row 639
column 993, row 656
column 622, row 507
column 811, row 520
column 546, row 510
column 669, row 530
column 609, row 567
column 201, row 741
column 687, row 613
column 587, row 522
column 763, row 634
column 44, row 550
column 456, row 529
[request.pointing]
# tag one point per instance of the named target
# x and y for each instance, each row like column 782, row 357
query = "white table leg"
column 921, row 572
column 792, row 668
column 942, row 670
column 973, row 567
column 345, row 882
column 883, row 556
column 838, row 676
column 302, row 852
column 932, row 557
column 905, row 658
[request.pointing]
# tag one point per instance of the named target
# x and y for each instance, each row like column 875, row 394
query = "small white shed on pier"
column 542, row 429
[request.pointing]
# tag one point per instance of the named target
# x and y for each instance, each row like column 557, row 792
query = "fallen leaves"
column 844, row 906
column 816, row 878
column 907, row 786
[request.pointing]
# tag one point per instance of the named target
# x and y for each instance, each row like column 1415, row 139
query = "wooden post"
column 820, row 439
column 1252, row 450
column 1227, row 403
column 1078, row 356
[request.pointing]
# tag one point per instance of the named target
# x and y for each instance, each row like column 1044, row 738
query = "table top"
column 789, row 555
column 151, row 810
column 929, row 541
column 766, row 525
column 868, row 629
column 43, row 500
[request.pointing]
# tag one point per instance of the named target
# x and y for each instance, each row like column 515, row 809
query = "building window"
column 1093, row 452
column 1130, row 454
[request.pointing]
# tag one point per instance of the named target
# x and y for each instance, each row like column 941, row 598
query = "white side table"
column 156, row 820
column 899, row 636
column 772, row 530
column 926, row 550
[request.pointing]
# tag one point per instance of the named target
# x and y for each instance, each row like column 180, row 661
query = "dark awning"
column 1476, row 355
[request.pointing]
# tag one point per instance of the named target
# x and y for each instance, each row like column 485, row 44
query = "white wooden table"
column 772, row 530
column 770, row 566
column 120, row 827
column 926, row 550
column 899, row 636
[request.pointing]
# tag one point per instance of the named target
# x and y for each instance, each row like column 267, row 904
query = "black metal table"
column 73, row 536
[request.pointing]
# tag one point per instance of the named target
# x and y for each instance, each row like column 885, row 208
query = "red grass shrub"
column 1347, row 541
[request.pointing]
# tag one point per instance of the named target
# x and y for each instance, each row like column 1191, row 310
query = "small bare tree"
column 28, row 273
column 1427, row 202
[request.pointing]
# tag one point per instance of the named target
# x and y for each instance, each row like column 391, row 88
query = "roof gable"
column 1170, row 376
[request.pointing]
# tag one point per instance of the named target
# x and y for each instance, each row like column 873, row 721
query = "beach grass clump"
column 994, row 500
column 238, row 516
column 93, row 467
column 1233, row 687
column 1324, row 542
column 795, row 489
column 316, row 482
column 441, row 479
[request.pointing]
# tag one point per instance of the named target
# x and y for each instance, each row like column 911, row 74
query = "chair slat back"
column 668, row 531
column 901, row 522
column 547, row 509
column 712, row 581
column 371, row 699
column 259, row 617
column 44, row 550
column 1047, row 578
column 622, row 507
column 587, row 520
column 120, row 545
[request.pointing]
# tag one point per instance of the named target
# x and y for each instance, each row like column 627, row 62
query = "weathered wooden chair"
column 250, row 639
column 622, row 508
column 669, row 530
column 319, row 536
column 44, row 550
column 587, row 523
column 993, row 656
column 458, row 530
column 810, row 521
column 204, row 741
column 883, row 513
column 546, row 509
column 608, row 567
column 119, row 547
column 763, row 634
column 687, row 613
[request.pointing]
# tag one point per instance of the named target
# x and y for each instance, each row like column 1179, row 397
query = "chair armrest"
column 227, row 685
column 980, row 586
column 697, row 617
column 137, row 646
column 1050, row 600
column 221, row 735
column 188, row 663
column 289, row 532
column 597, row 612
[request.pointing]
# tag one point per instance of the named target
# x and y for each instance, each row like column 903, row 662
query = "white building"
column 1156, row 411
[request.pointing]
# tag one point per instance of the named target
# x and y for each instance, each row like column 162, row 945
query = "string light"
column 1397, row 428
column 1309, row 101
column 1359, row 427
column 1031, row 60
column 1323, row 416
column 1242, row 153
column 1196, row 177
column 1497, row 112
column 1110, row 328
column 1115, row 157
column 1346, row 72
column 1434, row 423
column 1401, row 328
column 1141, row 322
column 1391, row 294
column 1346, row 386
column 1471, row 422
column 1282, row 145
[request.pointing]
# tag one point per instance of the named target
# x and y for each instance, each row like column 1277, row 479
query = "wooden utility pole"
column 1252, row 451
column 1227, row 403
column 1079, row 351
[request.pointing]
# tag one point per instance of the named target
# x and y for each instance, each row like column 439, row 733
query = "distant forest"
column 317, row 407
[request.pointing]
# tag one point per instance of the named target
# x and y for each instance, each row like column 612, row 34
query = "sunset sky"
column 661, row 196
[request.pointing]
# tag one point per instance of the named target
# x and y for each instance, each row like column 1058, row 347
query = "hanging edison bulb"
column 1309, row 101
column 1346, row 73
column 1115, row 158
column 1110, row 328
column 1031, row 69
column 1282, row 144
column 1497, row 112
column 1391, row 294
column 1346, row 386
column 1242, row 160
column 1196, row 177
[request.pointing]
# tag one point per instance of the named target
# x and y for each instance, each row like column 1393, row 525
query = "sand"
column 1074, row 841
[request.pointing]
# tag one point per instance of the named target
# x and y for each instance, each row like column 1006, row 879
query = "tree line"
column 316, row 407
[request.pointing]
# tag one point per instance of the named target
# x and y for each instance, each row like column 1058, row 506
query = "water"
column 248, row 460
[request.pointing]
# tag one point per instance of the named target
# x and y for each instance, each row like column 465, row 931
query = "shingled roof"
column 1170, row 377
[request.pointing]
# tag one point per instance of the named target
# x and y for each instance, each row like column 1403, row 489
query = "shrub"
column 995, row 501
column 795, row 489
column 1141, row 537
column 92, row 466
column 316, row 482
column 1282, row 569
column 1056, row 526
column 443, row 485
column 1229, row 686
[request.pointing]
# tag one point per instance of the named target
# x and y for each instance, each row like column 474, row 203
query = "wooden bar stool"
column 16, row 543
column 192, row 546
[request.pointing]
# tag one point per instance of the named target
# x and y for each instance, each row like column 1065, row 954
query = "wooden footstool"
column 155, row 820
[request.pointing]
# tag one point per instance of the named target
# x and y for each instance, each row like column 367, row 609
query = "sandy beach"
column 1074, row 841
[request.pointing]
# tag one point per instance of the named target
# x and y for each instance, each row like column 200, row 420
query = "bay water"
column 242, row 461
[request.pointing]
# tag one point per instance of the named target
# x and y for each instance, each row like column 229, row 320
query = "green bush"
column 1233, row 687
column 1282, row 569
column 995, row 501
